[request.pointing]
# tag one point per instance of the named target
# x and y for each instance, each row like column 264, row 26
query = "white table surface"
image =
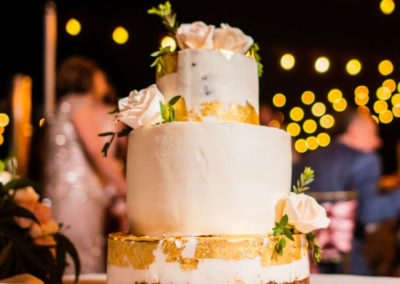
column 315, row 279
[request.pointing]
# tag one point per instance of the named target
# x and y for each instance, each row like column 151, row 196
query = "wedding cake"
column 208, row 188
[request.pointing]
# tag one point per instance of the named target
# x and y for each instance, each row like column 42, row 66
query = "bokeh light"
column 387, row 6
column 120, row 35
column 4, row 120
column 334, row 95
column 293, row 129
column 168, row 41
column 340, row 105
column 396, row 110
column 307, row 97
column 383, row 93
column 364, row 110
column 1, row 139
column 274, row 123
column 375, row 118
column 380, row 106
column 353, row 67
column 385, row 67
column 390, row 84
column 287, row 61
column 323, row 139
column 386, row 116
column 73, row 27
column 312, row 143
column 396, row 99
column 322, row 64
column 300, row 145
column 296, row 114
column 327, row 121
column 309, row 126
column 279, row 100
column 361, row 96
column 318, row 109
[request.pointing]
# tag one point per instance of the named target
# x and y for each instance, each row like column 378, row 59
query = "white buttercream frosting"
column 189, row 178
column 141, row 108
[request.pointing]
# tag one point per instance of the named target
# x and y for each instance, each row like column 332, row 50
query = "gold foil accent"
column 138, row 252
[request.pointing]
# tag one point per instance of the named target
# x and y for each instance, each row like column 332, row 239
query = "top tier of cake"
column 215, row 86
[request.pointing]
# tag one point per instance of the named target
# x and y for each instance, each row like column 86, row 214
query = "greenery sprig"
column 167, row 15
column 167, row 111
column 253, row 52
column 306, row 178
column 111, row 136
column 281, row 231
column 313, row 247
column 159, row 55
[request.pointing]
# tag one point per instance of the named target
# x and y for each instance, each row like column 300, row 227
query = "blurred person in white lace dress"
column 80, row 182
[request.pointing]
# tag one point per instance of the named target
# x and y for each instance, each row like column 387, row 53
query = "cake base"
column 205, row 260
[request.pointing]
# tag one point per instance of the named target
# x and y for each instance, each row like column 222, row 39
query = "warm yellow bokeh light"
column 353, row 67
column 120, row 35
column 307, row 97
column 322, row 64
column 383, row 93
column 390, row 84
column 340, row 105
column 279, row 100
column 387, row 6
column 323, row 139
column 385, row 67
column 73, row 27
column 1, row 130
column 361, row 97
column 375, row 118
column 293, row 128
column 296, row 114
column 4, row 120
column 1, row 139
column 312, row 143
column 327, row 121
column 363, row 110
column 396, row 110
column 309, row 126
column 169, row 41
column 386, row 117
column 300, row 145
column 361, row 89
column 287, row 61
column 396, row 99
column 318, row 109
column 398, row 87
column 380, row 106
column 334, row 95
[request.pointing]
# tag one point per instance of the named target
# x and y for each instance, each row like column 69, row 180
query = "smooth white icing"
column 216, row 178
column 205, row 75
column 210, row 271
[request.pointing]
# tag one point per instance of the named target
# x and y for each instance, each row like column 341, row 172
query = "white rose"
column 195, row 35
column 141, row 108
column 303, row 211
column 5, row 177
column 232, row 39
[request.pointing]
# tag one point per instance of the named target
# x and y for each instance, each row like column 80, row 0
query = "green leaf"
column 124, row 132
column 114, row 111
column 284, row 220
column 171, row 113
column 277, row 231
column 17, row 211
column 20, row 183
column 174, row 100
column 105, row 134
column 288, row 234
column 71, row 250
column 282, row 242
column 163, row 111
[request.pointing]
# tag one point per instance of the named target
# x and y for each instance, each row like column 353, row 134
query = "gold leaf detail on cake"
column 235, row 112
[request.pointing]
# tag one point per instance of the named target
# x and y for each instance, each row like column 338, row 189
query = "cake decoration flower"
column 195, row 35
column 233, row 39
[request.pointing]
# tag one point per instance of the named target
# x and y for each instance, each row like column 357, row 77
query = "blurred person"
column 80, row 182
column 351, row 163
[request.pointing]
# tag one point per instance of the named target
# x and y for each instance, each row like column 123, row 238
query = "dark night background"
column 340, row 30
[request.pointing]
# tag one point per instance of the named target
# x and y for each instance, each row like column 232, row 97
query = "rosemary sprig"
column 253, row 52
column 159, row 55
column 167, row 111
column 111, row 135
column 313, row 247
column 167, row 15
column 306, row 178
column 281, row 231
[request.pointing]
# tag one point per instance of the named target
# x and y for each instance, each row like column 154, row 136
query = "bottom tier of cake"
column 205, row 260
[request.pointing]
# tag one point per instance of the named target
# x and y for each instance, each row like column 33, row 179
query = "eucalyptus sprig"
column 282, row 230
column 253, row 52
column 167, row 111
column 313, row 247
column 159, row 55
column 167, row 15
column 111, row 136
column 306, row 178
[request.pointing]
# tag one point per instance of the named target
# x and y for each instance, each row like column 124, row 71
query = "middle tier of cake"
column 210, row 178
